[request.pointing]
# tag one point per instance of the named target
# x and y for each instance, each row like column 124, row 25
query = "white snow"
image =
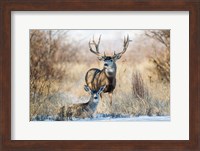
column 109, row 117
column 125, row 119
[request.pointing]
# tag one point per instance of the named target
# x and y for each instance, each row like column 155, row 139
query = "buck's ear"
column 102, row 88
column 87, row 89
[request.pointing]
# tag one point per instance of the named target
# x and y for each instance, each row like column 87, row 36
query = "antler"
column 96, row 46
column 126, row 43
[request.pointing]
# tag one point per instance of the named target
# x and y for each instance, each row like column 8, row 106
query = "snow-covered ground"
column 121, row 118
column 139, row 118
column 109, row 117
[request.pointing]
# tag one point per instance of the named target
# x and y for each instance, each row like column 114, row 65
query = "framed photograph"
column 88, row 75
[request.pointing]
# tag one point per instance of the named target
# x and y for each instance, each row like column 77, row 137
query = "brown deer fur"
column 95, row 78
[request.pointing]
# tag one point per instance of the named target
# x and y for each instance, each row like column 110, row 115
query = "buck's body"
column 96, row 78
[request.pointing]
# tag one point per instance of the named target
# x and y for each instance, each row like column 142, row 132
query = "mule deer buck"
column 95, row 78
column 84, row 110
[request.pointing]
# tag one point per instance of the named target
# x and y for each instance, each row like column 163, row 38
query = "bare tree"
column 45, row 55
column 161, row 60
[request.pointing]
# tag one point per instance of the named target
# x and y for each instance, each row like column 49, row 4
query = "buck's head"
column 109, row 61
column 95, row 94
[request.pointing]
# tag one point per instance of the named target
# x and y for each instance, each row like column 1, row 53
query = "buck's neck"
column 111, row 71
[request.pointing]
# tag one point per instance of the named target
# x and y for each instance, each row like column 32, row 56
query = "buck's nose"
column 105, row 64
column 95, row 97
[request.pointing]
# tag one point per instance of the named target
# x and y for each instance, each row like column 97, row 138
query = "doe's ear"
column 102, row 88
column 87, row 89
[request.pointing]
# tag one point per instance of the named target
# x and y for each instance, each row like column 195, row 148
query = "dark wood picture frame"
column 7, row 6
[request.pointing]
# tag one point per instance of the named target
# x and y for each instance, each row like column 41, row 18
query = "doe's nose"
column 105, row 64
column 95, row 97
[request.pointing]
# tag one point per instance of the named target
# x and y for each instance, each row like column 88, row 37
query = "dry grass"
column 139, row 97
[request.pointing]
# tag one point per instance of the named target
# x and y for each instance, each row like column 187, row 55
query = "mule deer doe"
column 95, row 78
column 84, row 110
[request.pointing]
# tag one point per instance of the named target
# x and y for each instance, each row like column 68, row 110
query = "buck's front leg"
column 110, row 96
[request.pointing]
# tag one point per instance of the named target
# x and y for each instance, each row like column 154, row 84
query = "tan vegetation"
column 58, row 66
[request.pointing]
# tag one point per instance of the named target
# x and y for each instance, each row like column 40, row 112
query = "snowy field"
column 127, row 118
column 108, row 117
column 139, row 118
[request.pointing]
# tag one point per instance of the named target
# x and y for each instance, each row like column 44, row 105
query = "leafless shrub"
column 138, row 86
column 45, row 66
column 143, row 101
column 161, row 59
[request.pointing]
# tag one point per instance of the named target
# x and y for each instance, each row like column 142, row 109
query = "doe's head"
column 94, row 93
